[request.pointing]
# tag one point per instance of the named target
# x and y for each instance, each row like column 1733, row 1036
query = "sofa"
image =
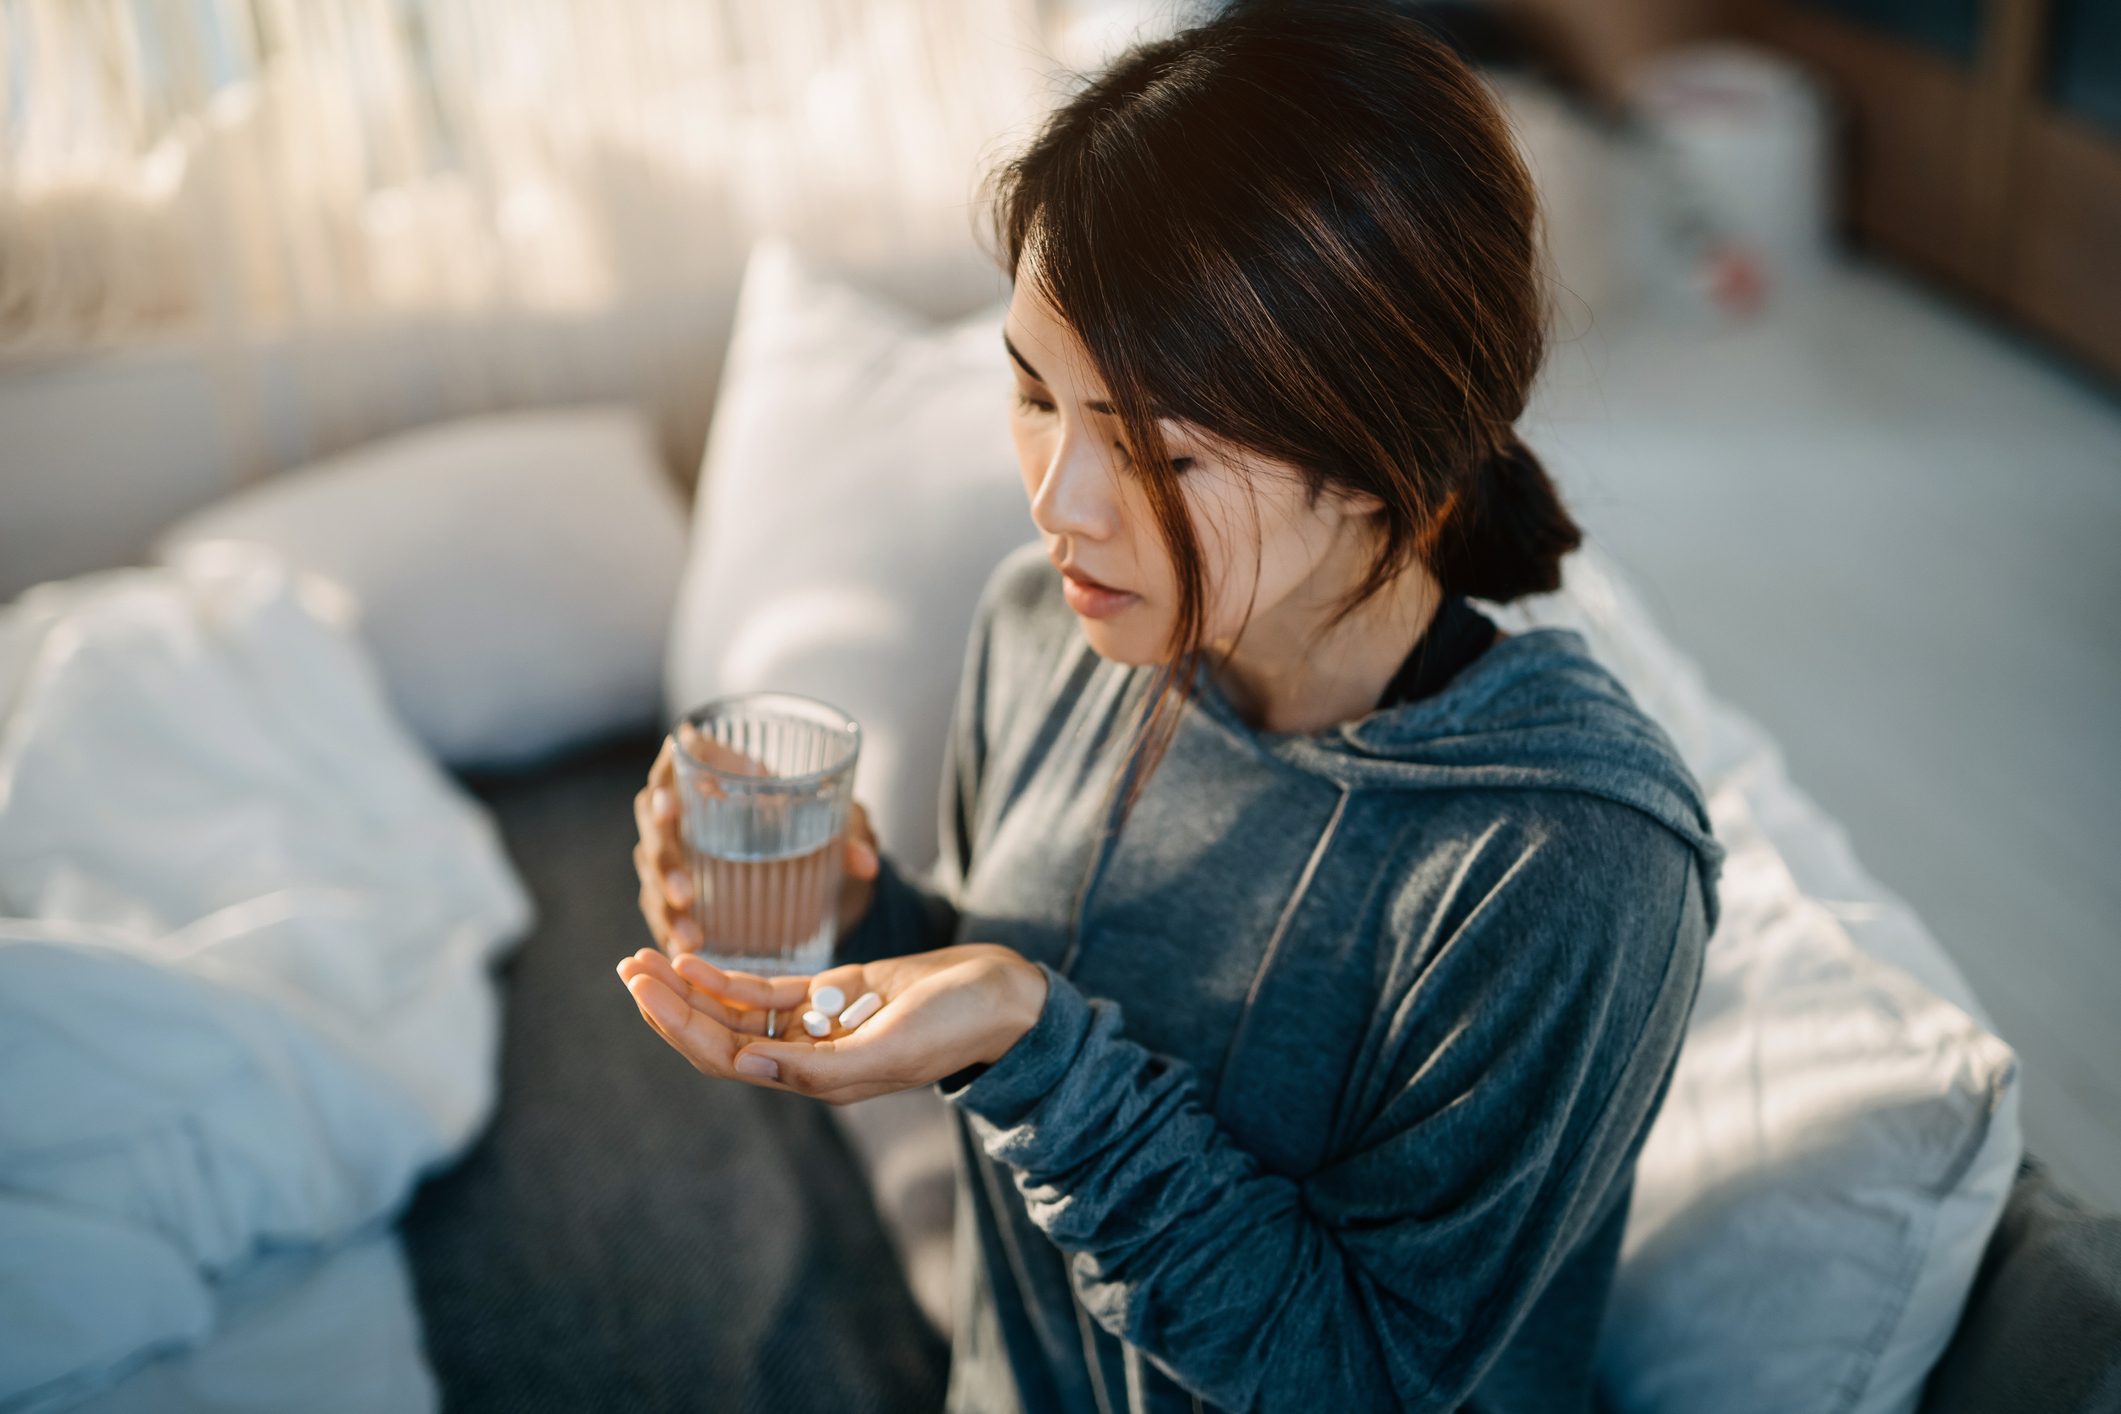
column 598, row 1226
column 620, row 1233
column 779, row 591
column 625, row 1236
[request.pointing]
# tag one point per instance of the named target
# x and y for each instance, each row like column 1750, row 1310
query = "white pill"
column 865, row 1006
column 829, row 999
column 817, row 1023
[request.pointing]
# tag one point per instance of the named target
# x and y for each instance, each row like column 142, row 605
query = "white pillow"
column 1814, row 1198
column 1842, row 1130
column 513, row 573
column 1722, row 745
column 858, row 487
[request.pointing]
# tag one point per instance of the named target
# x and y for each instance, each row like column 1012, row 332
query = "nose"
column 1073, row 496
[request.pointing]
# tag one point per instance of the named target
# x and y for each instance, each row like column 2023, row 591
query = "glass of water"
column 764, row 799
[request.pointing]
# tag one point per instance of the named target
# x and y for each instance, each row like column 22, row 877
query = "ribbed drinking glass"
column 764, row 799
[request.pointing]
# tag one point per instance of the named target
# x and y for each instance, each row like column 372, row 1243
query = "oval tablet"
column 865, row 1006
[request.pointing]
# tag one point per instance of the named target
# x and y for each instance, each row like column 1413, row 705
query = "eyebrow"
column 1024, row 364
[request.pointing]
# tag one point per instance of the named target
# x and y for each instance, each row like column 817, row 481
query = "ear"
column 1360, row 503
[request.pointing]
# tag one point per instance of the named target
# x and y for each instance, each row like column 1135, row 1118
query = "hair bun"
column 1511, row 530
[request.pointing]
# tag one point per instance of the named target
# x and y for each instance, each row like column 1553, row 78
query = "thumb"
column 799, row 1066
column 861, row 856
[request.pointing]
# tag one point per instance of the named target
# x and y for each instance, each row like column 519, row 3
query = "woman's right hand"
column 659, row 856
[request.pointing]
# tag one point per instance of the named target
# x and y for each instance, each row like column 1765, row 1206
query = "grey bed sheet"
column 628, row 1233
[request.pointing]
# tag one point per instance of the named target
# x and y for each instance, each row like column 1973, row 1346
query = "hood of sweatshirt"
column 1534, row 711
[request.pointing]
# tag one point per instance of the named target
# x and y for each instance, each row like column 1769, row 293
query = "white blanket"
column 246, row 929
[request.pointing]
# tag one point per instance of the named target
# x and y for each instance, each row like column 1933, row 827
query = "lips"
column 1080, row 578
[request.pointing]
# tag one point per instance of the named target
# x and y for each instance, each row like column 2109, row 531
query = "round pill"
column 829, row 1000
column 865, row 1006
column 817, row 1023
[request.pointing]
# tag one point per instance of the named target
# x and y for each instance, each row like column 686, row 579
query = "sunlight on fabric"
column 253, row 165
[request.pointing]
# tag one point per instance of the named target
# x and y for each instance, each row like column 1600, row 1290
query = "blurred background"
column 1837, row 333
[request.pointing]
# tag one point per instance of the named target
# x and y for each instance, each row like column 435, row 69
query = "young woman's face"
column 1095, row 517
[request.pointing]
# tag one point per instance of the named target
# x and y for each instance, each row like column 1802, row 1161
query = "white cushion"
column 1721, row 745
column 1842, row 1130
column 858, row 486
column 513, row 573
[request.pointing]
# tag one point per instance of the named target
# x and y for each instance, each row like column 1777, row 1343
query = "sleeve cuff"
column 1005, row 1092
column 904, row 917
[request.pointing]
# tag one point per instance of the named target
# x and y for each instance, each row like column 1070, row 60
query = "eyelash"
column 1031, row 404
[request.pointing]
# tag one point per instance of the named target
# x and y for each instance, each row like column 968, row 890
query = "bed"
column 579, row 1221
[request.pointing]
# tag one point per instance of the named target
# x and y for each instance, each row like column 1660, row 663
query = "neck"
column 1291, row 675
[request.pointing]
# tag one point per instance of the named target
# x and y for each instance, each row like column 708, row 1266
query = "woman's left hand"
column 942, row 1011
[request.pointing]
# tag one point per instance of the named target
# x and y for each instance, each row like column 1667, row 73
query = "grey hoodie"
column 1351, row 1037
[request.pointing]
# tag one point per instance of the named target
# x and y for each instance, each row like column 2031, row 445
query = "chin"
column 1118, row 646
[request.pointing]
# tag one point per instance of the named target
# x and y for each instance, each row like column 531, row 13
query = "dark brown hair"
column 1304, row 228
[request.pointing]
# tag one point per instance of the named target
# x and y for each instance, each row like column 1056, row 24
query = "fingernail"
column 687, row 932
column 677, row 883
column 660, row 800
column 764, row 1067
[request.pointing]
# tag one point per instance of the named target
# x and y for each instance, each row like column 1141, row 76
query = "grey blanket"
column 628, row 1233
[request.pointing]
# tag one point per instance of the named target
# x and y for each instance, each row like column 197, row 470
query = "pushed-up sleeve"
column 1519, row 1050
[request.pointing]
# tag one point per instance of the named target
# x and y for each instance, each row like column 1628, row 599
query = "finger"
column 715, row 751
column 657, row 836
column 869, row 1060
column 691, row 1032
column 653, row 914
column 862, row 859
column 674, row 926
column 655, row 811
column 697, row 748
column 652, row 963
column 662, row 866
column 721, row 755
column 676, row 931
column 664, row 767
column 654, row 841
column 746, row 989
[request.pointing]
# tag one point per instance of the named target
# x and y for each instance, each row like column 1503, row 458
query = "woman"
column 1309, row 1069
